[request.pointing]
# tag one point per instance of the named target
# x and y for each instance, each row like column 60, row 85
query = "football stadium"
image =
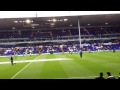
column 68, row 46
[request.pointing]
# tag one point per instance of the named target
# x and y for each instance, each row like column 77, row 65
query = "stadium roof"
column 59, row 21
column 24, row 14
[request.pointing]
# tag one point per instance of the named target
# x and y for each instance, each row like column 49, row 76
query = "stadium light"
column 27, row 21
column 106, row 23
column 54, row 20
column 61, row 20
column 33, row 27
column 52, row 24
column 65, row 19
column 15, row 21
column 13, row 27
column 20, row 21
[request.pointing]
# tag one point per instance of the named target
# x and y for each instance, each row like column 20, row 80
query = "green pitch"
column 60, row 66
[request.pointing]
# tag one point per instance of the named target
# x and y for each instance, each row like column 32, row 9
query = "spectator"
column 119, row 76
column 110, row 76
column 101, row 76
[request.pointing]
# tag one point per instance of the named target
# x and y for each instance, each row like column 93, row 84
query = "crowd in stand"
column 56, row 48
column 86, row 46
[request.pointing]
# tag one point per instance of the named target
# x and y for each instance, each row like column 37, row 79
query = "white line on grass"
column 23, row 69
column 39, row 60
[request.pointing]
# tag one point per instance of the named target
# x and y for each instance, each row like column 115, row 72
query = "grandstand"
column 55, row 35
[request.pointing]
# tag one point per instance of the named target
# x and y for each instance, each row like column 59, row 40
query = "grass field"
column 60, row 66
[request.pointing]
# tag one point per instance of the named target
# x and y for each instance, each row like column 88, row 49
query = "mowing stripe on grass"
column 39, row 60
column 23, row 68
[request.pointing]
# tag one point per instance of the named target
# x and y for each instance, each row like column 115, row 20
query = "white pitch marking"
column 39, row 60
column 23, row 69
